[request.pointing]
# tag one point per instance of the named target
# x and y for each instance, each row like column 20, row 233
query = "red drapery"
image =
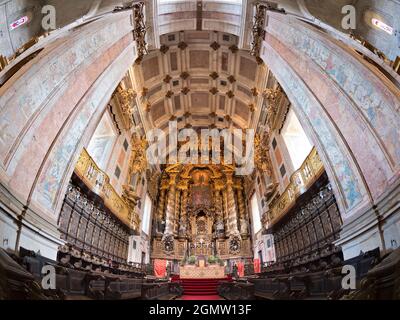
column 257, row 266
column 160, row 268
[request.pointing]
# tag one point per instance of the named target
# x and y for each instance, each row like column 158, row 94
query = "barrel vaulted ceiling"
column 201, row 79
column 201, row 76
column 166, row 16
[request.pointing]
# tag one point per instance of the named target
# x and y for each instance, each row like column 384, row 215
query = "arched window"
column 297, row 143
column 255, row 213
column 146, row 215
column 102, row 141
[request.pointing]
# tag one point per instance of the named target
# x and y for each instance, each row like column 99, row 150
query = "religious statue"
column 219, row 227
column 243, row 226
column 129, row 195
column 138, row 161
column 182, row 228
column 160, row 227
column 262, row 159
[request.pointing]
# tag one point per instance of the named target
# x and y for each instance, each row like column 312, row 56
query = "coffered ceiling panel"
column 200, row 79
column 199, row 59
column 150, row 68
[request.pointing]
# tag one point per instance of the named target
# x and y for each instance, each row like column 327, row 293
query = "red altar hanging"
column 257, row 266
column 240, row 269
column 160, row 268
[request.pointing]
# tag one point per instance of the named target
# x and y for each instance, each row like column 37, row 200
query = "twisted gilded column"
column 177, row 211
column 242, row 210
column 220, row 226
column 183, row 223
column 170, row 212
column 218, row 202
column 225, row 210
column 161, row 207
column 231, row 206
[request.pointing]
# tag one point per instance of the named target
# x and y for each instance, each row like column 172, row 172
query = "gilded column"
column 220, row 227
column 161, row 208
column 242, row 210
column 218, row 203
column 170, row 213
column 232, row 210
column 183, row 223
column 225, row 210
column 177, row 211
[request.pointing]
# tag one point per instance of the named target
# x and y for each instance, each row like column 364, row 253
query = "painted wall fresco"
column 378, row 102
column 64, row 152
column 57, row 100
column 19, row 107
column 303, row 101
column 344, row 113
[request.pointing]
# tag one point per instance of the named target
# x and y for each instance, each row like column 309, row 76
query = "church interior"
column 309, row 90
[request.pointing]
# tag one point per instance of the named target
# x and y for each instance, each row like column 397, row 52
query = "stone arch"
column 61, row 95
column 348, row 110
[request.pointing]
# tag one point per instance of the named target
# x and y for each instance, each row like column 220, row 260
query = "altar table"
column 202, row 272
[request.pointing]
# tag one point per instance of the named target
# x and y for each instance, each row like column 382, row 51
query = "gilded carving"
column 138, row 161
column 126, row 98
column 97, row 180
column 261, row 154
column 258, row 29
column 139, row 30
column 197, row 209
column 308, row 173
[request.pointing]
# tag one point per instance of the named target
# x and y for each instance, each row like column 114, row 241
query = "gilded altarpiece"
column 201, row 211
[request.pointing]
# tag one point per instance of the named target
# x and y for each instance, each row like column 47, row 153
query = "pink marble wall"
column 50, row 108
column 349, row 110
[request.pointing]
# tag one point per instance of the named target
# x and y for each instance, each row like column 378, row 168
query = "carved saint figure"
column 220, row 227
column 243, row 226
column 182, row 228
